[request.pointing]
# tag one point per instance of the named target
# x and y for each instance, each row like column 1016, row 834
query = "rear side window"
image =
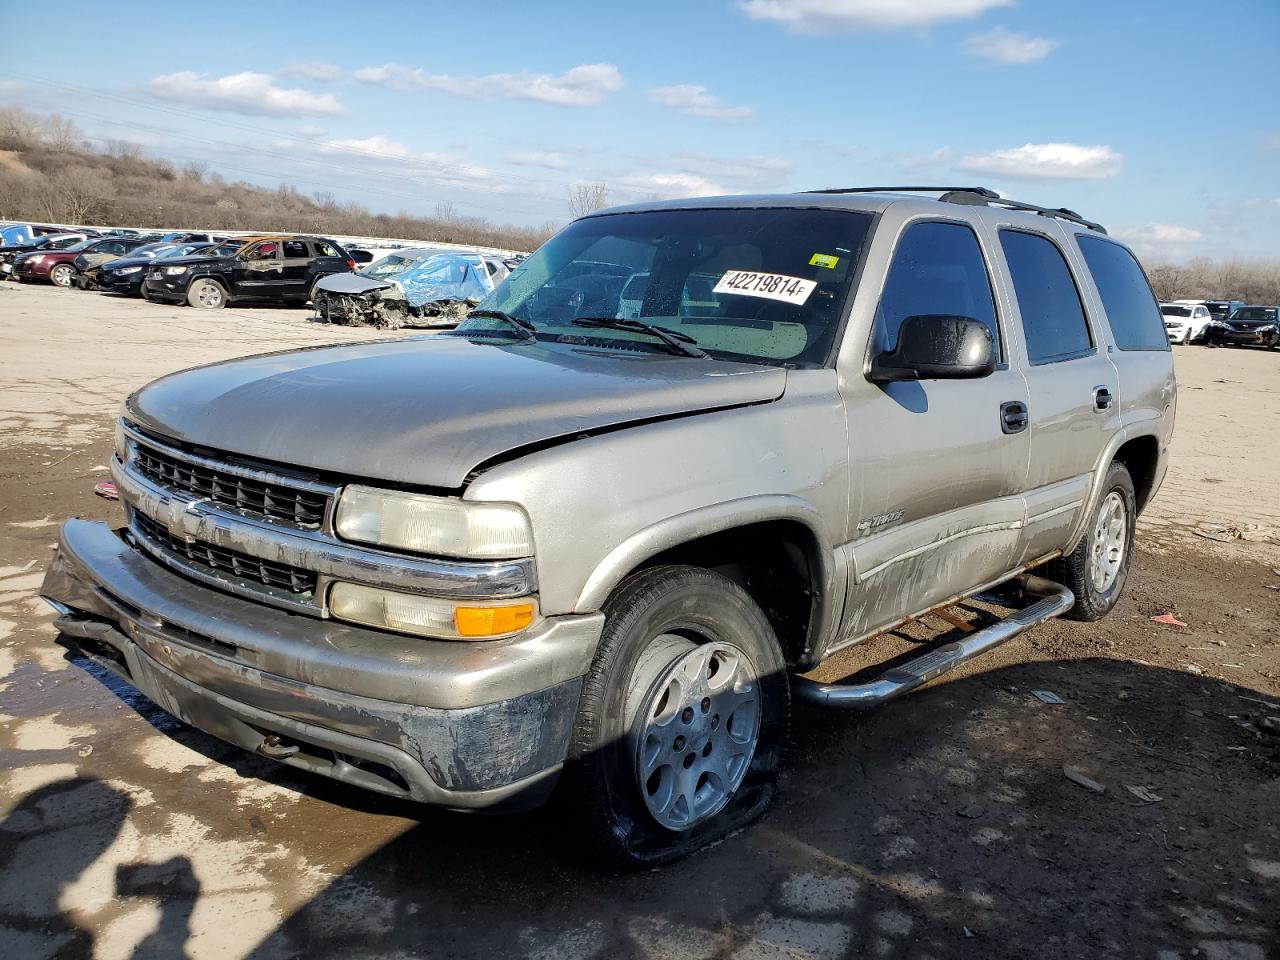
column 937, row 269
column 1131, row 307
column 1052, row 317
column 325, row 249
column 295, row 250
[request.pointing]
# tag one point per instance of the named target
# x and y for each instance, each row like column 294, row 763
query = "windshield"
column 1176, row 311
column 764, row 285
column 181, row 250
column 1254, row 313
column 389, row 266
column 225, row 249
column 81, row 245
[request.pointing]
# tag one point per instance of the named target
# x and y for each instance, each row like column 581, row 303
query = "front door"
column 938, row 465
column 259, row 273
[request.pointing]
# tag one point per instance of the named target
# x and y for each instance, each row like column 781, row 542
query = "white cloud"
column 11, row 86
column 539, row 158
column 697, row 101
column 383, row 154
column 1046, row 161
column 248, row 92
column 825, row 16
column 1162, row 240
column 1005, row 46
column 665, row 186
column 582, row 86
column 748, row 173
column 311, row 70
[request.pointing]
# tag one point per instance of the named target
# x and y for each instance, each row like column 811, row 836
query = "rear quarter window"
column 1132, row 309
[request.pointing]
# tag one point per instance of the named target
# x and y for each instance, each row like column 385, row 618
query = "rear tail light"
column 351, row 264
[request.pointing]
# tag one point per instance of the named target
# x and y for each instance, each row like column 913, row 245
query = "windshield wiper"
column 522, row 327
column 681, row 343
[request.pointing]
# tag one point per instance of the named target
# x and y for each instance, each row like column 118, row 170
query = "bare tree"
column 585, row 197
column 60, row 133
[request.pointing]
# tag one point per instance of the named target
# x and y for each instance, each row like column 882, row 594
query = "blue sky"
column 1158, row 119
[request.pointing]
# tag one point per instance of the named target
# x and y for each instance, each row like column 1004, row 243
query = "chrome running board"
column 1054, row 600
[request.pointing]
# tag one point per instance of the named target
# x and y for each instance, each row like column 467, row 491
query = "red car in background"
column 59, row 266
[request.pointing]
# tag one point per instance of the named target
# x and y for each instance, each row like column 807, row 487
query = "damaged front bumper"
column 456, row 724
column 373, row 309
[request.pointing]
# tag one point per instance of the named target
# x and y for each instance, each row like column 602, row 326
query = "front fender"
column 828, row 573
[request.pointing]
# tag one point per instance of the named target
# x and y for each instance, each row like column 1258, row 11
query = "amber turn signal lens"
column 492, row 621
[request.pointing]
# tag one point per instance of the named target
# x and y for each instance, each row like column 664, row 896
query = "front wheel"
column 1096, row 570
column 62, row 275
column 684, row 712
column 207, row 294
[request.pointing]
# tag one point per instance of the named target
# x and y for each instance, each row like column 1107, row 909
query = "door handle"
column 1102, row 398
column 1014, row 416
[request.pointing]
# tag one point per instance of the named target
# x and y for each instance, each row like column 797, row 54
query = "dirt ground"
column 940, row 826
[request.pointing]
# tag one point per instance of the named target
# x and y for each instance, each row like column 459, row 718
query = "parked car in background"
column 282, row 268
column 183, row 236
column 125, row 275
column 1185, row 322
column 410, row 288
column 1223, row 309
column 23, row 233
column 104, row 250
column 45, row 244
column 1256, row 326
column 59, row 266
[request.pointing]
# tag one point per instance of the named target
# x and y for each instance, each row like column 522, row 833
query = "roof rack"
column 977, row 196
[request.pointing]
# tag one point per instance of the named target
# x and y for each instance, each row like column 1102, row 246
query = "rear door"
column 1073, row 387
column 328, row 258
column 295, row 273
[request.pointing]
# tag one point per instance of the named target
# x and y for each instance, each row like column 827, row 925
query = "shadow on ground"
column 940, row 826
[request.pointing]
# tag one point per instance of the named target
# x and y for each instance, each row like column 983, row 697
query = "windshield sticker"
column 824, row 260
column 770, row 286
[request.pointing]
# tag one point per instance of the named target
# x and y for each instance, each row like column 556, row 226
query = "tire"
column 1097, row 595
column 207, row 294
column 62, row 275
column 637, row 701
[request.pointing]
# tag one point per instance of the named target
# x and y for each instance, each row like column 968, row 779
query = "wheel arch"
column 1138, row 448
column 772, row 546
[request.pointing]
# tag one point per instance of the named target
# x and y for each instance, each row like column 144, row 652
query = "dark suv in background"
column 283, row 268
column 1249, row 326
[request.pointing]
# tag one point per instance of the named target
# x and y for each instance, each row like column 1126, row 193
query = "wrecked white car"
column 417, row 287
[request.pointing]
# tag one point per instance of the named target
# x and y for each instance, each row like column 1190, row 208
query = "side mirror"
column 937, row 347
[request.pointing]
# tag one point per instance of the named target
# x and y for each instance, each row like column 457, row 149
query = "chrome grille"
column 299, row 583
column 270, row 499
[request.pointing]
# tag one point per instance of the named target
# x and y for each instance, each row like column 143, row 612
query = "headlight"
column 126, row 270
column 38, row 258
column 435, row 525
column 175, row 271
column 429, row 616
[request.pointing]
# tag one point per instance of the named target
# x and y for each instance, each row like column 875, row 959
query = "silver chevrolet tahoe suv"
column 595, row 535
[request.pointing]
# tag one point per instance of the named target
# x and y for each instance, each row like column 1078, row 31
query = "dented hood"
column 428, row 410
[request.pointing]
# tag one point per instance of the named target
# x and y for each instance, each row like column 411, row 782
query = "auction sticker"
column 771, row 286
